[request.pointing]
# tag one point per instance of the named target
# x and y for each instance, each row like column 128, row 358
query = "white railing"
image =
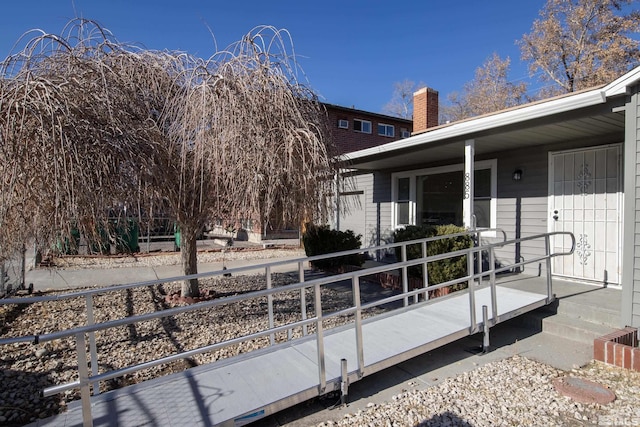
column 474, row 278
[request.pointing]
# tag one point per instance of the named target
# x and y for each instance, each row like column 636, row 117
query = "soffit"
column 588, row 125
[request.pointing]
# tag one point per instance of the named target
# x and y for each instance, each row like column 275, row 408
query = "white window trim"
column 387, row 126
column 343, row 124
column 361, row 122
column 483, row 164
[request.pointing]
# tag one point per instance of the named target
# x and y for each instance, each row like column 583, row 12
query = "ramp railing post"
column 320, row 340
column 358, row 324
column 344, row 382
column 85, row 386
column 92, row 343
column 485, row 328
column 405, row 279
column 472, row 295
column 303, row 297
column 492, row 278
column 425, row 271
column 547, row 244
column 267, row 273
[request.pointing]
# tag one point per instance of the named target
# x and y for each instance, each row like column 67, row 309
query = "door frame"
column 619, row 208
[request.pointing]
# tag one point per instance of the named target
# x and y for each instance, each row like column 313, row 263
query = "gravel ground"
column 512, row 392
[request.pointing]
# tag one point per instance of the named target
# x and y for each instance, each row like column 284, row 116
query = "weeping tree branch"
column 88, row 124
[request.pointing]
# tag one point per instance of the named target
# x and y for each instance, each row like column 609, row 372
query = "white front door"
column 585, row 199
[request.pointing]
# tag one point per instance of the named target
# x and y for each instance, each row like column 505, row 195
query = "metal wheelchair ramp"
column 245, row 388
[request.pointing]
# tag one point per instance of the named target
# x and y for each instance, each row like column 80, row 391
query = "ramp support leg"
column 344, row 382
column 485, row 328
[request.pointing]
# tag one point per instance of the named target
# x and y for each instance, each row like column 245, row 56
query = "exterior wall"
column 348, row 140
column 365, row 209
column 523, row 209
column 522, row 206
column 631, row 226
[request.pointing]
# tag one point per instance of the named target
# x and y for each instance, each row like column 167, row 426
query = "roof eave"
column 466, row 128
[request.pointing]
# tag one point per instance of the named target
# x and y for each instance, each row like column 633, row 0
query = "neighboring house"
column 354, row 130
column 570, row 163
column 351, row 130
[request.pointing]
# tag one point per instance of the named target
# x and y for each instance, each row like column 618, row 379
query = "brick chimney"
column 425, row 109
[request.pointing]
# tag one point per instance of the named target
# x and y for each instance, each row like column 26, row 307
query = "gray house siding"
column 522, row 205
column 353, row 206
column 381, row 205
column 366, row 208
column 630, row 315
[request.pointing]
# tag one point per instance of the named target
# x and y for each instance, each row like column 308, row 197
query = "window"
column 405, row 133
column 363, row 126
column 386, row 130
column 435, row 196
column 403, row 201
column 343, row 124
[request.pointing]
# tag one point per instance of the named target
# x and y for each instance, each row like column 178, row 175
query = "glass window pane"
column 402, row 214
column 482, row 211
column 482, row 183
column 403, row 188
column 439, row 199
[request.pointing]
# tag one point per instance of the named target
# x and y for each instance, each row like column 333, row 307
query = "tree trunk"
column 188, row 253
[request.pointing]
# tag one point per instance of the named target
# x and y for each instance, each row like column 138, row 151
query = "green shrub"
column 442, row 270
column 320, row 240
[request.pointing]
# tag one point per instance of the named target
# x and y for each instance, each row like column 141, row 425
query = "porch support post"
column 467, row 195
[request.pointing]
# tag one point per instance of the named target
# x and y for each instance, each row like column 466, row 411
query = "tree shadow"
column 23, row 402
column 445, row 419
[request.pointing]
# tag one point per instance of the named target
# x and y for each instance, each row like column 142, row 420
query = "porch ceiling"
column 604, row 127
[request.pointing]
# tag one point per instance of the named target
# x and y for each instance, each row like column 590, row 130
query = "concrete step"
column 589, row 313
column 574, row 328
column 562, row 325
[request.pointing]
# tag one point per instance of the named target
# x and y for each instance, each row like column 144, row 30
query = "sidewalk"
column 58, row 278
column 77, row 277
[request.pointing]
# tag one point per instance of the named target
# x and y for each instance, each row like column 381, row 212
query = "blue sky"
column 352, row 51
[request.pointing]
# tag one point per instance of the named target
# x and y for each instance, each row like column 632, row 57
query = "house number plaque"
column 467, row 185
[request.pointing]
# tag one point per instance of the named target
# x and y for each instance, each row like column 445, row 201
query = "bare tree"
column 250, row 141
column 489, row 91
column 88, row 124
column 578, row 44
column 401, row 103
column 74, row 135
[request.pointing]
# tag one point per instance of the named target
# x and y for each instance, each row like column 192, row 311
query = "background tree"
column 401, row 103
column 489, row 91
column 577, row 44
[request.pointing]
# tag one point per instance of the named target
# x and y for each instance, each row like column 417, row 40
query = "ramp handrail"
column 473, row 279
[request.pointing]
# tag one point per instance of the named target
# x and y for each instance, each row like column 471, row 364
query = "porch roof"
column 594, row 114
